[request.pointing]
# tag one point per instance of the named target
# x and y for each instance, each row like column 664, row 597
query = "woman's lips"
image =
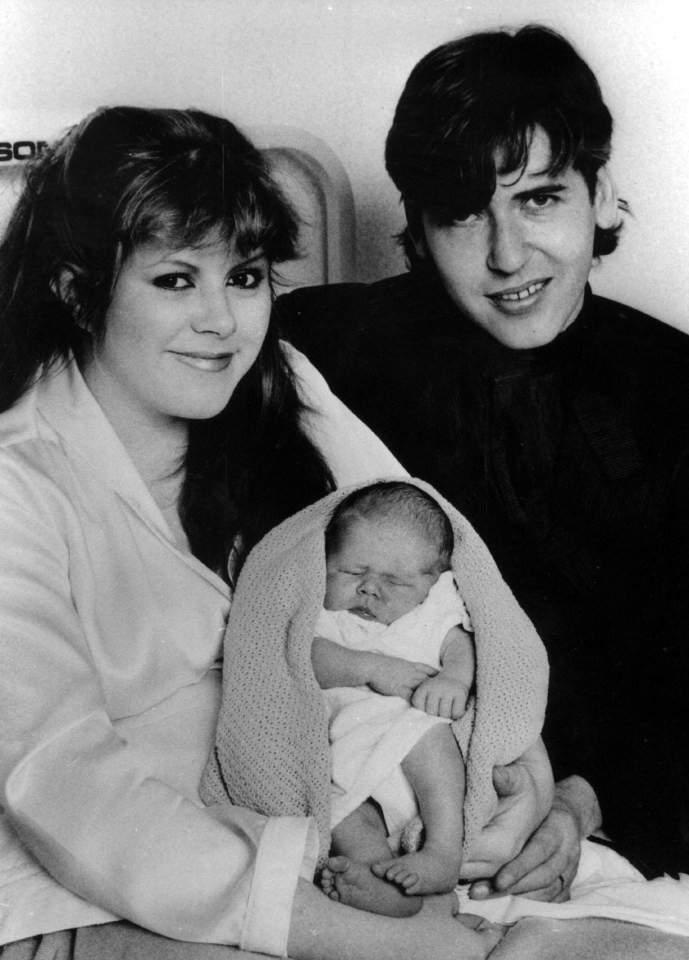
column 207, row 362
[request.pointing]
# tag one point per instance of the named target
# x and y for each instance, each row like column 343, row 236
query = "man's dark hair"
column 398, row 501
column 481, row 97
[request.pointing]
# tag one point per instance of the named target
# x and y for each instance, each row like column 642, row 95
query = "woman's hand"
column 547, row 865
column 525, row 794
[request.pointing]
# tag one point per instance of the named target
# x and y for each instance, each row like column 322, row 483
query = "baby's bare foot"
column 354, row 884
column 422, row 872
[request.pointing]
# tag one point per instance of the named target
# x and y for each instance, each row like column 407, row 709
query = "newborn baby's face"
column 379, row 570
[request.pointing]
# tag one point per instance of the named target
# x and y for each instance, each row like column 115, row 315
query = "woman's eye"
column 172, row 281
column 246, row 279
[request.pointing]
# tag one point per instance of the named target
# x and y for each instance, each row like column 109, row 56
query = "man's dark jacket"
column 571, row 462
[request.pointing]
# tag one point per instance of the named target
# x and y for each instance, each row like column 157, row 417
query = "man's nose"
column 507, row 245
column 216, row 315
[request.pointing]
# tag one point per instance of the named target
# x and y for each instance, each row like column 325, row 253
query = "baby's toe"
column 410, row 883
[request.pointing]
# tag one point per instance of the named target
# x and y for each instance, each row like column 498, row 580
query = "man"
column 555, row 420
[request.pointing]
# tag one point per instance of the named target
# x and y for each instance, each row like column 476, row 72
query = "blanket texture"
column 271, row 752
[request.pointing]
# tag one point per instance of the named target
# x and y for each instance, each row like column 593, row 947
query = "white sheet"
column 606, row 885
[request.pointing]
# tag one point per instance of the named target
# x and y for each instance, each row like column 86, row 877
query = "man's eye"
column 246, row 279
column 172, row 281
column 543, row 200
column 466, row 219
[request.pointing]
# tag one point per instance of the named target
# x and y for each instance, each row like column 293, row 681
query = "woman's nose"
column 216, row 315
column 507, row 246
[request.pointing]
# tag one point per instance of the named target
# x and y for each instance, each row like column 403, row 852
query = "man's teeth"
column 522, row 294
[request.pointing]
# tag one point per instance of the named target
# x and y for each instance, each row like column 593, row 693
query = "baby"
column 394, row 633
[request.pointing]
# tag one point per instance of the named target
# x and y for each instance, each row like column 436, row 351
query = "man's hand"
column 547, row 864
column 525, row 795
column 441, row 696
column 395, row 677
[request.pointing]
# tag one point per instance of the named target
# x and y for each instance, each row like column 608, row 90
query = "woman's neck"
column 158, row 456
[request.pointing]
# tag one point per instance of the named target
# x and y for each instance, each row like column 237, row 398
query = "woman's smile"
column 207, row 362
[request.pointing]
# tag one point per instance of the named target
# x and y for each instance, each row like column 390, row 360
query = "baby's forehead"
column 380, row 520
column 400, row 536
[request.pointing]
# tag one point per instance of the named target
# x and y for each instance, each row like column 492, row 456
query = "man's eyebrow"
column 543, row 187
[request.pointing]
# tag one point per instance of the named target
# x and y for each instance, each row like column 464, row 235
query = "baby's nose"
column 369, row 587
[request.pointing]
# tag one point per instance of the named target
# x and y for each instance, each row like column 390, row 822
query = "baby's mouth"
column 363, row 613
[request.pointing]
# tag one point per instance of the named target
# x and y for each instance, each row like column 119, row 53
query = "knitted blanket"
column 271, row 752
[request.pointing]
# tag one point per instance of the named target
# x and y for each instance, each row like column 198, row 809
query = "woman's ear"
column 64, row 286
column 605, row 201
column 415, row 230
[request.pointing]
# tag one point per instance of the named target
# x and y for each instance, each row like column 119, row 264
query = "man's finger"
column 534, row 855
column 477, row 870
column 545, row 876
column 507, row 779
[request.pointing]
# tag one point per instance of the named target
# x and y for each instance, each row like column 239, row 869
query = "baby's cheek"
column 335, row 598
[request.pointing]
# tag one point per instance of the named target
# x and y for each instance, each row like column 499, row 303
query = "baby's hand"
column 395, row 677
column 441, row 696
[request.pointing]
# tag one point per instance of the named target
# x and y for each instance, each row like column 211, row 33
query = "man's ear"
column 605, row 201
column 415, row 230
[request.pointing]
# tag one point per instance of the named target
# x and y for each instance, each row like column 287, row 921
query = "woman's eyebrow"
column 259, row 255
column 174, row 261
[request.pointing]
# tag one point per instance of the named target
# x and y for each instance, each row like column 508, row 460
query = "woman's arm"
column 324, row 930
column 350, row 448
column 85, row 797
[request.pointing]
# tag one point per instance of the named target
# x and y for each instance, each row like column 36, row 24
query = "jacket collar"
column 64, row 401
column 581, row 355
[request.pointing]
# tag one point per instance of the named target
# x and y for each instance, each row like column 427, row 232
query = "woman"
column 153, row 429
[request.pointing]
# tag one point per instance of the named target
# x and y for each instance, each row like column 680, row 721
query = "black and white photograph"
column 344, row 480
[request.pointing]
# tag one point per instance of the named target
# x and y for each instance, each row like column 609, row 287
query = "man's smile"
column 522, row 292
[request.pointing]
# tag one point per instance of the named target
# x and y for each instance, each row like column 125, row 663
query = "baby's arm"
column 338, row 666
column 445, row 694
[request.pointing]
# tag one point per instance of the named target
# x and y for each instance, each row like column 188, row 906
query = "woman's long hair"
column 123, row 176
